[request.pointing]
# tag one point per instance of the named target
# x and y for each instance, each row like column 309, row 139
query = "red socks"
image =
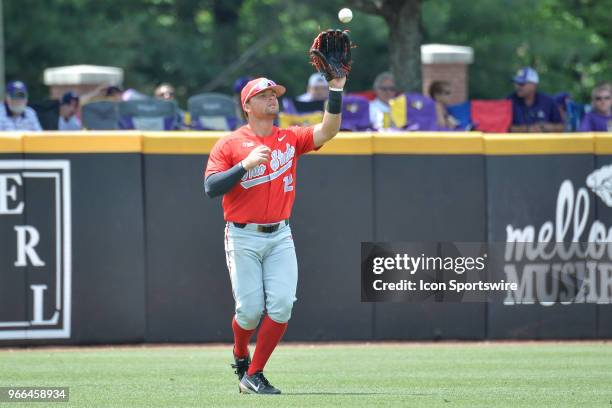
column 270, row 334
column 241, row 339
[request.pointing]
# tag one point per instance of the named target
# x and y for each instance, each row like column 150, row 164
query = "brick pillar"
column 447, row 63
column 80, row 78
column 56, row 91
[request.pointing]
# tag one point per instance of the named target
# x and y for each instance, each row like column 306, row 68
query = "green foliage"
column 567, row 44
column 195, row 44
column 186, row 42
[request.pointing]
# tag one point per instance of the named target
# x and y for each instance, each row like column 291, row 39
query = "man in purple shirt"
column 600, row 118
column 533, row 111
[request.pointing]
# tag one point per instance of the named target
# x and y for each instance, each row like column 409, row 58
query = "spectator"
column 15, row 114
column 113, row 93
column 384, row 87
column 600, row 118
column 440, row 92
column 166, row 92
column 69, row 106
column 97, row 94
column 533, row 111
column 133, row 95
column 562, row 99
column 317, row 89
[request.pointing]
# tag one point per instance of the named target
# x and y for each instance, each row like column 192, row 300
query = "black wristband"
column 334, row 102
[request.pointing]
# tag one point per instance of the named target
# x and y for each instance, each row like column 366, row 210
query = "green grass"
column 368, row 375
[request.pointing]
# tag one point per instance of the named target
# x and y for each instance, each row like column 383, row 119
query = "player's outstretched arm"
column 330, row 54
column 330, row 126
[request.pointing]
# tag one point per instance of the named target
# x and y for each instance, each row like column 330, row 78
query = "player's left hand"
column 330, row 54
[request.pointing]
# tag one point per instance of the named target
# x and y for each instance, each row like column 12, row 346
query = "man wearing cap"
column 317, row 89
column 533, row 111
column 15, row 113
column 254, row 168
column 69, row 106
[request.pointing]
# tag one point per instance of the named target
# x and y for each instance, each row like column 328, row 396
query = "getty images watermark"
column 510, row 273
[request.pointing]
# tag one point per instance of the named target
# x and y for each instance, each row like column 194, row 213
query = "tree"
column 550, row 35
column 206, row 44
column 403, row 18
column 195, row 44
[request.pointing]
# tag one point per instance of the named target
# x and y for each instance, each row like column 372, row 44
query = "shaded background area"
column 206, row 44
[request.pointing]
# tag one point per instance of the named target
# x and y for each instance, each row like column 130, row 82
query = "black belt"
column 268, row 229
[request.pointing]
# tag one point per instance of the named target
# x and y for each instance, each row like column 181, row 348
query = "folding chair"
column 355, row 113
column 48, row 113
column 148, row 114
column 102, row 115
column 212, row 111
column 413, row 112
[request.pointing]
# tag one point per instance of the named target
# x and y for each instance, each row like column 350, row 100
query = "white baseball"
column 345, row 15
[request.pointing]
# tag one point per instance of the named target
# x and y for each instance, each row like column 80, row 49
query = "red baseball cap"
column 258, row 85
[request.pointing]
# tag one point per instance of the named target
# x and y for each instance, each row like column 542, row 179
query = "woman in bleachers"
column 440, row 92
column 384, row 87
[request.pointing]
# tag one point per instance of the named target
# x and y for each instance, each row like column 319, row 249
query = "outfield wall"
column 128, row 248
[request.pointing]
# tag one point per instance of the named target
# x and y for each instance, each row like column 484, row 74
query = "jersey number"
column 288, row 180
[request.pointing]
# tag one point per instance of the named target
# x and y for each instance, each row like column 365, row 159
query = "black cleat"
column 257, row 384
column 241, row 365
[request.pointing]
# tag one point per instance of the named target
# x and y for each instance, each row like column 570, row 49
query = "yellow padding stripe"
column 11, row 142
column 428, row 143
column 347, row 143
column 180, row 142
column 82, row 142
column 525, row 144
column 603, row 143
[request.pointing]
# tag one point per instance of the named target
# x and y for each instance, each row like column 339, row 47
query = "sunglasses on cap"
column 264, row 83
column 258, row 87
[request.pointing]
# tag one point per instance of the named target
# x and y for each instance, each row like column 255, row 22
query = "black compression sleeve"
column 222, row 182
column 334, row 102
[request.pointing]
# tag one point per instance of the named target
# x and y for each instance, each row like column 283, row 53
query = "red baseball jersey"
column 265, row 194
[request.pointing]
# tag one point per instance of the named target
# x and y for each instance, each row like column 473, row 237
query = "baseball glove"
column 330, row 53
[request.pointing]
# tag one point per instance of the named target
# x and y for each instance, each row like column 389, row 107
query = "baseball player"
column 254, row 168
